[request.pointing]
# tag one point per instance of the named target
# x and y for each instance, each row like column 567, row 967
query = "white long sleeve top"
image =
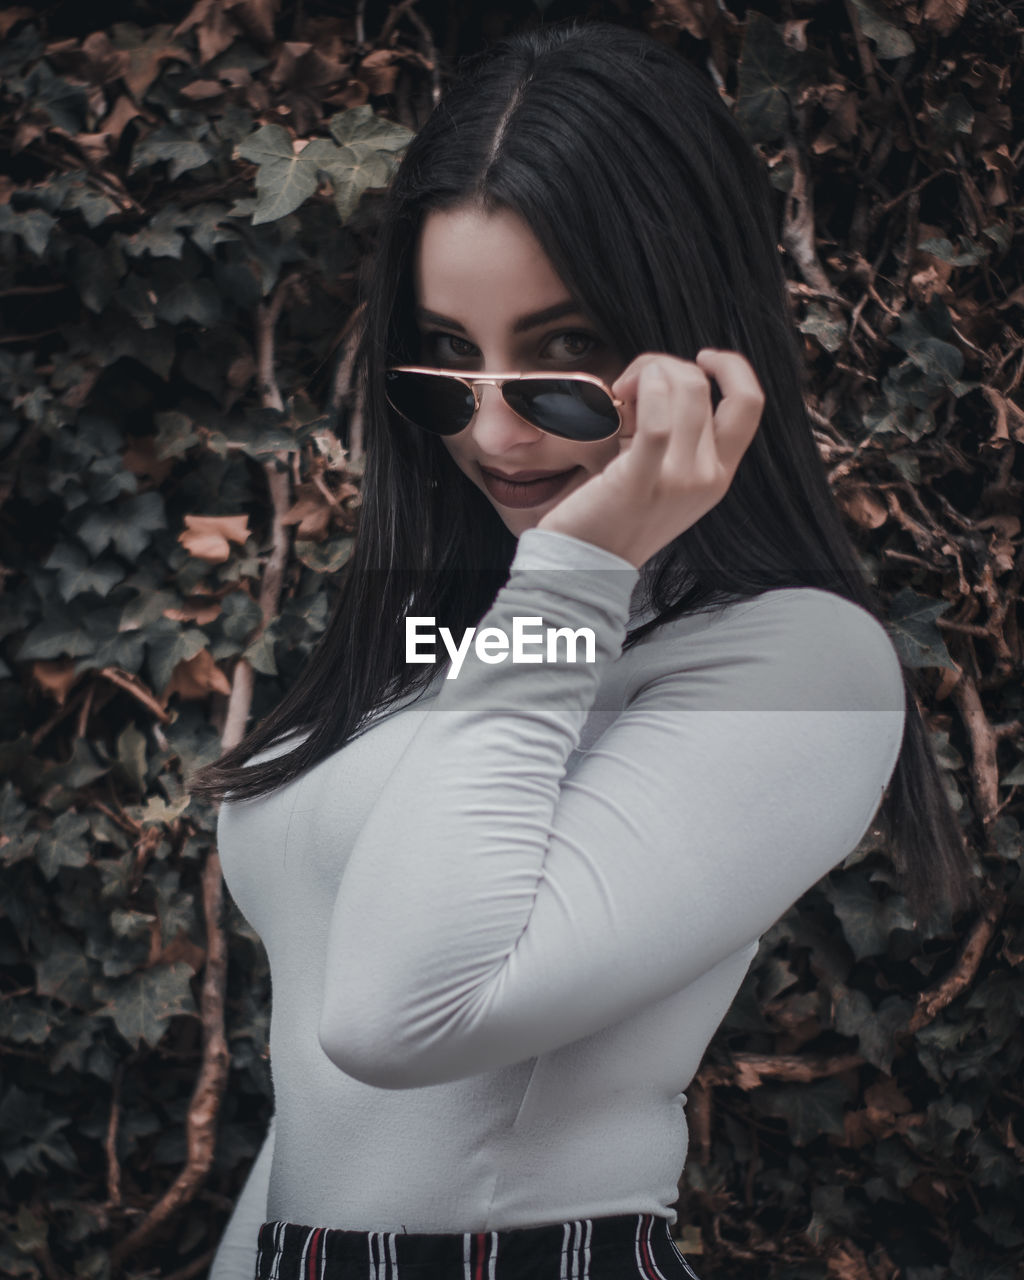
column 505, row 921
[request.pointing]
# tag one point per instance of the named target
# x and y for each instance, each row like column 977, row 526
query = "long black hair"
column 659, row 217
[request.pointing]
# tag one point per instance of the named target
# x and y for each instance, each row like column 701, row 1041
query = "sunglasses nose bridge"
column 478, row 386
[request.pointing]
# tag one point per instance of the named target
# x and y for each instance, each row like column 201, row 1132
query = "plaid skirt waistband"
column 611, row 1248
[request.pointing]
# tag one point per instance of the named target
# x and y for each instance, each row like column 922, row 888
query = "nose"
column 495, row 428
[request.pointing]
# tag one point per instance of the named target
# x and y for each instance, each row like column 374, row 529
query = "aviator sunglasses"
column 572, row 406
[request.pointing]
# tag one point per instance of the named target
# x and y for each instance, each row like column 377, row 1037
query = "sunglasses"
column 572, row 406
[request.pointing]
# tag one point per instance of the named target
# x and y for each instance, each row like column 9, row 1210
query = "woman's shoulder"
column 789, row 648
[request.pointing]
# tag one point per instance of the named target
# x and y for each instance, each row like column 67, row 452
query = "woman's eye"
column 443, row 345
column 573, row 346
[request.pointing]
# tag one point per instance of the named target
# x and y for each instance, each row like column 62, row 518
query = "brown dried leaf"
column 312, row 513
column 688, row 14
column 183, row 948
column 943, row 16
column 195, row 609
column 201, row 89
column 102, row 60
column 196, row 678
column 1009, row 416
column 139, row 457
column 54, row 678
column 847, row 1262
column 120, row 114
column 257, row 16
column 207, row 537
column 863, row 508
column 141, row 66
column 380, row 71
column 8, row 17
column 355, row 94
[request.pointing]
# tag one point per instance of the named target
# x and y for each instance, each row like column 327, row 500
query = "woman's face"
column 482, row 282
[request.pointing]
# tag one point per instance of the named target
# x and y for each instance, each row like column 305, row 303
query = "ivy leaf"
column 156, row 811
column 353, row 169
column 911, row 627
column 63, row 972
column 62, row 845
column 325, row 557
column 33, row 226
column 196, row 300
column 168, row 644
column 809, row 1109
column 770, row 78
column 144, row 1004
column 79, row 771
column 261, row 653
column 30, row 1132
column 76, row 573
column 24, row 1023
column 867, row 920
column 175, row 434
column 240, row 616
column 362, row 124
column 283, row 180
column 183, row 152
column 831, row 333
column 890, row 41
column 128, row 525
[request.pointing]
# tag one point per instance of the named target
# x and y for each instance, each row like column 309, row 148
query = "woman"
column 507, row 902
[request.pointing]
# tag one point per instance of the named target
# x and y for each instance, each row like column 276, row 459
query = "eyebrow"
column 531, row 321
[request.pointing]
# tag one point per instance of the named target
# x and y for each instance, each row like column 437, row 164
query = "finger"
column 654, row 418
column 625, row 385
column 738, row 414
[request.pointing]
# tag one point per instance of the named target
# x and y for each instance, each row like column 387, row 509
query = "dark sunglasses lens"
column 567, row 408
column 441, row 405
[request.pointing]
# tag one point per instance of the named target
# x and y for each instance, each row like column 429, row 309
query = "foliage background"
column 188, row 193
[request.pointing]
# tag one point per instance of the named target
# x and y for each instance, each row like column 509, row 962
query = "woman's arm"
column 493, row 909
column 236, row 1254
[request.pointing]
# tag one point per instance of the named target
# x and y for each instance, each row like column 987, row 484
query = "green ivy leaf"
column 283, row 180
column 164, row 143
column 169, row 643
column 261, row 653
column 145, row 1002
column 352, row 169
column 890, row 40
column 911, row 627
column 362, row 124
column 29, row 1136
column 128, row 526
column 867, row 919
column 63, row 972
column 810, row 1110
column 770, row 77
column 62, row 845
column 325, row 557
column 33, row 226
column 76, row 573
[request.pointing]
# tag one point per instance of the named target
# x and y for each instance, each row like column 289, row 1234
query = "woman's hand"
column 676, row 459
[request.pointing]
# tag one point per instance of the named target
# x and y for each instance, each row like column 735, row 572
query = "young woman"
column 509, row 894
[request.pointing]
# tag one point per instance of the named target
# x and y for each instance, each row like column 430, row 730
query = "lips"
column 527, row 493
column 521, row 477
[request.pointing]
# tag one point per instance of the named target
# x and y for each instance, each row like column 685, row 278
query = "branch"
column 213, row 1074
column 984, row 766
column 931, row 1003
column 276, row 469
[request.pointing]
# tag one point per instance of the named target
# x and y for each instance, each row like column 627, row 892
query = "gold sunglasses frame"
column 472, row 381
